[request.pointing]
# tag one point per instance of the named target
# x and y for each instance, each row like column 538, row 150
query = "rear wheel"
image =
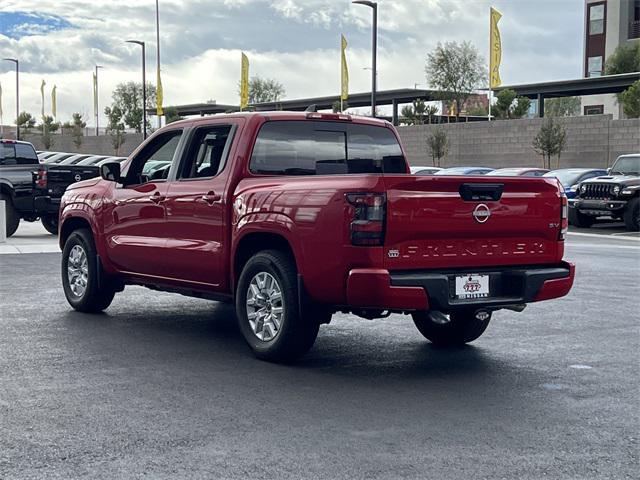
column 12, row 217
column 456, row 328
column 268, row 311
column 50, row 223
column 632, row 215
column 85, row 292
column 580, row 220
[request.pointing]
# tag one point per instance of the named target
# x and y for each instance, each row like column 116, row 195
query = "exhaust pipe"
column 515, row 308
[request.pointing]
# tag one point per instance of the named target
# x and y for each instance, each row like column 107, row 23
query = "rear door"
column 451, row 222
column 197, row 209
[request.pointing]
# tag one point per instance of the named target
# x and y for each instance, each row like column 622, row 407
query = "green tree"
column 115, row 127
column 478, row 111
column 456, row 70
column 77, row 129
column 49, row 124
column 630, row 100
column 339, row 107
column 562, row 107
column 438, row 144
column 264, row 90
column 171, row 115
column 26, row 122
column 624, row 59
column 550, row 140
column 509, row 105
column 418, row 113
column 48, row 127
column 127, row 99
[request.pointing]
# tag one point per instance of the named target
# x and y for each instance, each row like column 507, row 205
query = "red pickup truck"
column 297, row 216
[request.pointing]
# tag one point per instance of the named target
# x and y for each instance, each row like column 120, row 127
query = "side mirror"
column 608, row 171
column 110, row 171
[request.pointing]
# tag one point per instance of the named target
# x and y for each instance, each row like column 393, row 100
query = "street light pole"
column 97, row 100
column 144, row 88
column 374, row 51
column 158, row 87
column 15, row 60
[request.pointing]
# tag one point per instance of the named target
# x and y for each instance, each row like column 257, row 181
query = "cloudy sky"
column 293, row 41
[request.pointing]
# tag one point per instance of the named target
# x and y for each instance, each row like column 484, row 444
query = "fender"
column 7, row 187
column 267, row 222
column 82, row 210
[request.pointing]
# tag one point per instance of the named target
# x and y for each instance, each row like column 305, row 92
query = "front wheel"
column 268, row 311
column 11, row 215
column 50, row 223
column 456, row 328
column 580, row 220
column 85, row 292
column 632, row 215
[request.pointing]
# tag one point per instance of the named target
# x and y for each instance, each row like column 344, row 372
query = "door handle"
column 211, row 198
column 157, row 198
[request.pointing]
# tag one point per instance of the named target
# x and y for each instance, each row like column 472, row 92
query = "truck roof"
column 289, row 115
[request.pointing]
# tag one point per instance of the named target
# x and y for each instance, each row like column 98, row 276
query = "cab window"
column 208, row 152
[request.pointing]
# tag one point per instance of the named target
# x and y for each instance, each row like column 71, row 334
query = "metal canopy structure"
column 573, row 88
column 537, row 91
column 385, row 97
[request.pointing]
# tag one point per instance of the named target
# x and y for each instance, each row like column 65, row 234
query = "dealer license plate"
column 472, row 286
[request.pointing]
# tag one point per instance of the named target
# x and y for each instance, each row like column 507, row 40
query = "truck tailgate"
column 456, row 222
column 60, row 177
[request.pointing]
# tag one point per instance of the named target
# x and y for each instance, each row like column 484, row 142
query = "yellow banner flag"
column 495, row 50
column 42, row 94
column 159, row 96
column 54, row 102
column 95, row 95
column 344, row 80
column 244, row 82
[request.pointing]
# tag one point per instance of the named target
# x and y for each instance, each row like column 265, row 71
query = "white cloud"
column 295, row 42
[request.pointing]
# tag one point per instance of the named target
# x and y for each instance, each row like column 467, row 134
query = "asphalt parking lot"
column 162, row 386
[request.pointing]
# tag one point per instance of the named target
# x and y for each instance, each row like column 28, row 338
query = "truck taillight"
column 367, row 227
column 41, row 178
column 564, row 216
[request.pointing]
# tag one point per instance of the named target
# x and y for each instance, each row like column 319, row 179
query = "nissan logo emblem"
column 78, row 177
column 481, row 213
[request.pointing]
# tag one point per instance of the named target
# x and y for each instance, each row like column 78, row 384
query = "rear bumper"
column 46, row 204
column 425, row 290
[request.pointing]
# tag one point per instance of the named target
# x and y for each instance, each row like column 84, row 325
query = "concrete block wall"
column 100, row 145
column 592, row 141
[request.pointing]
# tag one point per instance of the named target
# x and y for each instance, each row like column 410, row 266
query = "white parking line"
column 608, row 246
column 26, row 249
column 603, row 235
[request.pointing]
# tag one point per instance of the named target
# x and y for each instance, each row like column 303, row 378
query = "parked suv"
column 616, row 194
column 296, row 216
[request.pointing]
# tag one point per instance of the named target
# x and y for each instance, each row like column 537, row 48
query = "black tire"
column 295, row 334
column 50, row 223
column 580, row 220
column 13, row 219
column 98, row 293
column 632, row 215
column 462, row 327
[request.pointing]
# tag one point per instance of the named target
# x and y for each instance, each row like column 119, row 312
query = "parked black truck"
column 32, row 190
column 615, row 195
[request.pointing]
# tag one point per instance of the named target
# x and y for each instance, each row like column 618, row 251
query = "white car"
column 424, row 170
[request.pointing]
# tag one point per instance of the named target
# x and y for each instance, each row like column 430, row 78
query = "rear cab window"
column 17, row 154
column 290, row 147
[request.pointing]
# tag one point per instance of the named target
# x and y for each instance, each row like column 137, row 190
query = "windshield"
column 566, row 177
column 627, row 165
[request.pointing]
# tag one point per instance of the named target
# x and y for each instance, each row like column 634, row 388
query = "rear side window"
column 17, row 154
column 325, row 148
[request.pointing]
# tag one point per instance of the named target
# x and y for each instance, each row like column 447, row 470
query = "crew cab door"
column 135, row 226
column 197, row 209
